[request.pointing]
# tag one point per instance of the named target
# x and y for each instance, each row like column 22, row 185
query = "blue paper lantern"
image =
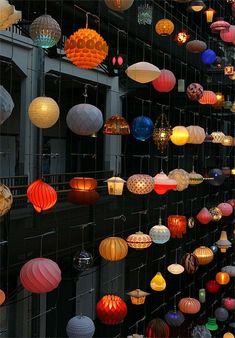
column 174, row 318
column 221, row 314
column 80, row 327
column 142, row 128
column 218, row 177
column 208, row 57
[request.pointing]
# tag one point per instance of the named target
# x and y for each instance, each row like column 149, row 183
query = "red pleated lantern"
column 225, row 208
column 80, row 197
column 208, row 97
column 204, row 216
column 41, row 195
column 212, row 286
column 157, row 328
column 229, row 303
column 177, row 225
column 40, row 275
column 111, row 310
column 165, row 82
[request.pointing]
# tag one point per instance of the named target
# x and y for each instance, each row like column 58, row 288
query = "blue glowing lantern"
column 174, row 318
column 142, row 128
column 218, row 177
column 208, row 57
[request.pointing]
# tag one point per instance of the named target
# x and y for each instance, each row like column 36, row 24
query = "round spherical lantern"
column 175, row 269
column 228, row 35
column 115, row 185
column 43, row 112
column 80, row 327
column 164, row 27
column 113, row 248
column 162, row 183
column 142, row 128
column 157, row 328
column 229, row 303
column 232, row 203
column 174, row 318
column 165, row 82
column 180, row 135
column 204, row 216
column 216, row 214
column 159, row 234
column 228, row 335
column 41, row 195
column 143, row 72
column 219, row 25
column 83, row 197
column 189, row 305
column 85, row 48
column 139, row 240
column 225, row 208
column 200, row 331
column 83, row 260
column 217, row 136
column 119, row 5
column 6, row 105
column 195, row 178
column 111, row 310
column 230, row 269
column 196, row 46
column 227, row 141
column 116, row 125
column 208, row 97
column 45, row 31
column 177, row 225
column 194, row 91
column 190, row 263
column 196, row 134
column 138, row 296
column 84, row 119
column 204, row 255
column 6, row 199
column 218, row 177
column 214, row 248
column 2, row 296
column 208, row 56
column 221, row 314
column 140, row 184
column 212, row 286
column 83, row 183
column 181, row 177
column 40, row 275
column 222, row 278
column 158, row 283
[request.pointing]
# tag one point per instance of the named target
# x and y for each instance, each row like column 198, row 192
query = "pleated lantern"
column 195, row 178
column 143, row 72
column 196, row 46
column 200, row 331
column 181, row 177
column 6, row 199
column 204, row 216
column 190, row 263
column 196, row 134
column 84, row 119
column 113, row 248
column 8, row 15
column 119, row 5
column 174, row 318
column 2, row 296
column 189, row 305
column 142, row 128
column 165, row 82
column 229, row 303
column 86, row 48
column 204, row 255
column 159, row 234
column 139, row 240
column 212, row 286
column 194, row 91
column 222, row 278
column 80, row 327
column 157, row 328
column 177, row 225
column 138, row 296
column 111, row 310
column 228, row 35
column 208, row 57
column 116, row 125
column 230, row 269
column 208, row 97
column 115, row 185
column 216, row 214
column 221, row 314
column 164, row 27
column 219, row 25
column 225, row 208
column 43, row 112
column 180, row 135
column 140, row 184
column 212, row 324
column 6, row 105
column 158, row 283
column 40, row 275
column 41, row 195
column 162, row 183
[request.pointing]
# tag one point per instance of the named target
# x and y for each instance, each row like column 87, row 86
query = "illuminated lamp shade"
column 6, row 199
column 196, row 134
column 119, row 5
column 228, row 35
column 85, row 48
column 142, row 128
column 157, row 328
column 43, row 112
column 204, row 255
column 208, row 97
column 175, row 269
column 80, row 327
column 194, row 91
column 165, row 82
column 220, row 100
column 196, row 46
column 138, row 296
column 225, row 208
column 162, row 183
column 221, row 314
column 8, row 15
column 227, row 141
column 161, row 132
column 45, row 31
column 116, row 125
column 139, row 240
column 111, row 310
column 182, row 37
column 228, row 335
column 174, row 318
column 212, row 286
column 82, row 260
column 190, row 263
column 230, row 269
column 143, row 72
column 177, row 225
column 232, row 203
column 181, row 177
column 164, row 27
column 113, row 248
column 83, row 183
column 160, row 234
column 195, row 178
column 219, row 25
column 218, row 136
column 41, row 195
column 180, row 135
column 2, row 296
column 200, row 331
column 6, row 105
column 229, row 303
column 115, row 185
column 222, row 278
column 84, row 119
column 211, row 324
column 216, row 214
column 218, row 177
column 189, row 305
column 196, row 5
column 140, row 184
column 208, row 57
column 209, row 14
column 202, row 296
column 204, row 216
column 158, row 283
column 40, row 275
column 83, row 197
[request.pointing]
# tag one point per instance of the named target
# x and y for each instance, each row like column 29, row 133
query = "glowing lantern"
column 83, row 197
column 196, row 134
column 6, row 199
column 227, row 141
column 208, row 57
column 138, row 296
column 174, row 318
column 43, row 112
column 211, row 324
column 219, row 25
column 115, row 185
column 2, row 296
column 143, row 72
column 164, row 27
column 180, row 135
column 222, row 278
column 223, row 243
column 175, row 269
column 113, row 248
column 157, row 328
column 8, row 15
column 119, row 5
column 220, row 100
column 111, row 310
column 204, row 255
column 142, row 128
column 83, row 183
column 140, row 184
column 195, row 178
column 230, row 269
column 6, row 105
column 194, row 91
column 190, row 263
column 83, row 260
column 216, row 214
column 228, row 335
column 165, row 82
column 40, row 275
column 162, row 183
column 41, row 195
column 196, row 5
column 158, row 283
column 228, row 35
column 212, row 286
column 232, row 203
column 221, row 314
column 204, row 216
column 160, row 234
column 229, row 303
column 208, row 97
column 202, row 296
column 161, row 132
column 209, row 14
column 182, row 37
column 80, row 327
column 189, row 305
column 196, row 46
column 181, row 177
column 139, row 240
column 177, row 225
column 116, row 125
column 200, row 331
column 225, row 208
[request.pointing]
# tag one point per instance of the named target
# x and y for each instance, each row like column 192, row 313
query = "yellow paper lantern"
column 180, row 135
column 43, row 112
column 138, row 296
column 227, row 141
column 119, row 5
column 228, row 335
column 143, row 72
column 139, row 240
column 115, row 185
column 113, row 248
column 222, row 278
column 158, row 283
column 204, row 255
column 164, row 27
column 6, row 199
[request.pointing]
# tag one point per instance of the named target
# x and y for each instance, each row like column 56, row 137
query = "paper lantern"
column 165, row 82
column 162, row 183
column 6, row 199
column 232, row 203
column 196, row 134
column 41, row 195
column 83, row 183
column 208, row 57
column 218, row 177
column 194, row 91
column 138, row 296
column 82, row 260
column 211, row 324
column 111, row 310
column 6, row 105
column 228, row 35
column 200, row 331
column 209, row 14
column 161, row 132
column 196, row 46
column 83, row 197
column 208, row 97
column 80, row 327
column 143, row 72
column 182, row 37
column 113, row 248
column 181, row 86
column 229, row 303
column 180, row 135
column 139, row 240
column 220, row 100
column 84, row 119
column 222, row 278
column 230, row 269
column 177, row 225
column 219, row 25
column 195, row 178
column 142, row 128
column 214, row 248
column 140, row 184
column 174, row 318
column 157, row 328
column 158, row 283
column 85, row 48
column 115, row 185
column 212, row 287
column 8, row 15
column 45, row 31
column 181, row 177
column 225, row 208
column 164, row 27
column 189, row 305
column 196, row 5
column 160, row 234
column 202, row 296
column 2, row 296
column 216, row 214
column 228, row 335
column 175, row 269
column 221, row 314
column 43, row 112
column 204, row 255
column 119, row 5
column 204, row 216
column 116, row 125
column 190, row 263
column 218, row 137
column 227, row 141
column 40, row 275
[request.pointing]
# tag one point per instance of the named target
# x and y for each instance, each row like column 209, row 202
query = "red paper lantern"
column 165, row 82
column 83, row 197
column 40, row 275
column 232, row 203
column 157, row 328
column 83, row 183
column 177, row 225
column 204, row 216
column 41, row 195
column 228, row 35
column 189, row 305
column 162, row 183
column 229, row 303
column 111, row 310
column 225, row 208
column 208, row 97
column 212, row 286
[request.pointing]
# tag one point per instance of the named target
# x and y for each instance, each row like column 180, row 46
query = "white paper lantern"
column 8, row 15
column 196, row 134
column 143, row 72
column 6, row 104
column 182, row 178
column 175, row 269
column 80, row 327
column 84, row 119
column 43, row 112
column 6, row 199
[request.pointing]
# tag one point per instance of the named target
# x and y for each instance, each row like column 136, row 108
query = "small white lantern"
column 175, row 269
column 43, row 112
column 115, row 185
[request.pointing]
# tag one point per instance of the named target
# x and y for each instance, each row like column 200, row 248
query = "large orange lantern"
column 83, row 183
column 139, row 240
column 222, row 278
column 208, row 97
column 164, row 27
column 41, row 195
column 177, row 225
column 189, row 305
column 2, row 296
column 157, row 328
column 113, row 248
column 204, row 255
column 86, row 48
column 111, row 310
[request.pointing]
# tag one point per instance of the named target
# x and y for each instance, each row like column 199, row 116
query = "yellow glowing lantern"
column 204, row 255
column 138, row 296
column 164, row 27
column 220, row 100
column 233, row 171
column 229, row 70
column 227, row 141
column 115, row 185
column 222, row 278
column 158, row 283
column 228, row 335
column 43, row 112
column 180, row 135
column 209, row 14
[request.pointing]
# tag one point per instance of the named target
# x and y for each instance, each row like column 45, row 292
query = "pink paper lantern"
column 229, row 303
column 204, row 216
column 228, row 36
column 40, row 275
column 232, row 203
column 165, row 82
column 225, row 208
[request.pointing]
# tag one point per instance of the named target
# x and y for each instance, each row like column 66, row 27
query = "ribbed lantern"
column 208, row 97
column 195, row 178
column 138, row 296
column 190, row 263
column 80, row 327
column 204, row 255
column 157, row 328
column 41, row 195
column 140, row 184
column 204, row 216
column 177, row 225
column 174, row 318
column 200, row 331
column 229, row 303
column 209, row 14
column 86, row 48
column 40, row 275
column 228, row 35
column 221, row 314
column 225, row 208
column 115, row 185
column 189, row 305
column 2, row 296
column 8, row 15
column 175, row 269
column 208, row 57
column 111, row 310
column 6, row 104
column 83, row 183
column 165, row 82
column 143, row 72
column 142, row 128
column 6, row 199
column 158, row 283
column 227, row 141
column 194, row 91
column 119, row 5
column 139, row 240
column 212, row 324
column 212, row 286
column 180, row 135
column 164, row 27
column 196, row 134
column 43, row 112
column 181, row 177
column 222, row 278
column 116, row 125
column 45, row 31
column 216, row 214
column 113, row 248
column 162, row 183
column 196, row 46
column 160, row 234
column 219, row 25
column 230, row 269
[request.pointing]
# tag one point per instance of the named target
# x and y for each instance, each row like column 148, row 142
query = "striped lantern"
column 139, row 240
column 113, row 248
column 190, row 263
column 204, row 255
column 41, row 195
column 189, row 305
column 80, row 327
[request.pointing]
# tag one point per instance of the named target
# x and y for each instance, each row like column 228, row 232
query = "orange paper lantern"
column 189, row 305
column 2, row 296
column 164, row 27
column 177, row 225
column 204, row 255
column 111, row 310
column 113, row 248
column 83, row 183
column 41, row 195
column 208, row 97
column 116, row 125
column 222, row 278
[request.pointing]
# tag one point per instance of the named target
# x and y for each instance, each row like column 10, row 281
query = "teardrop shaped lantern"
column 139, row 240
column 111, row 310
column 189, row 305
column 158, row 283
column 113, row 248
column 41, row 195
